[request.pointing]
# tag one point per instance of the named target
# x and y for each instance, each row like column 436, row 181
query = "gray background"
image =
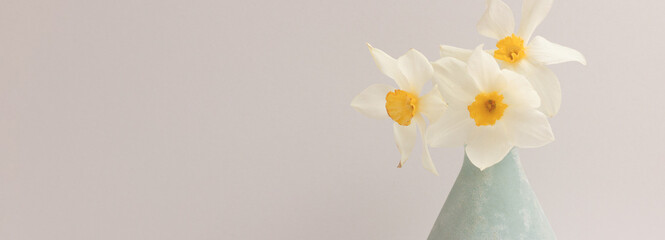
column 231, row 120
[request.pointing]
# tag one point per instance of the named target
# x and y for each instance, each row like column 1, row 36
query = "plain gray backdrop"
column 231, row 120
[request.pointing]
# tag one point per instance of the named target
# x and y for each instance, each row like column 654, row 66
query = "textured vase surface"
column 497, row 203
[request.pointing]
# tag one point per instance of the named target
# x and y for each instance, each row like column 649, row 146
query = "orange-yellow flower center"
column 511, row 49
column 401, row 106
column 487, row 108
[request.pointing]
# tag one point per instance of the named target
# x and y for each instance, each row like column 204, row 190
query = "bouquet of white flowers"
column 486, row 100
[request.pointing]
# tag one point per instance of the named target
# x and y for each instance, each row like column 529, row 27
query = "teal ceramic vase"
column 497, row 203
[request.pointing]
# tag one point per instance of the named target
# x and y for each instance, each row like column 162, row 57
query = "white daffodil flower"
column 410, row 71
column 518, row 52
column 489, row 110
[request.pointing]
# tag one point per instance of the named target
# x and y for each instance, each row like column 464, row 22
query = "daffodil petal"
column 498, row 20
column 546, row 52
column 416, row 68
column 427, row 159
column 528, row 128
column 451, row 130
column 519, row 93
column 454, row 82
column 533, row 13
column 432, row 105
column 459, row 53
column 405, row 137
column 488, row 145
column 372, row 101
column 545, row 83
column 388, row 66
column 483, row 69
